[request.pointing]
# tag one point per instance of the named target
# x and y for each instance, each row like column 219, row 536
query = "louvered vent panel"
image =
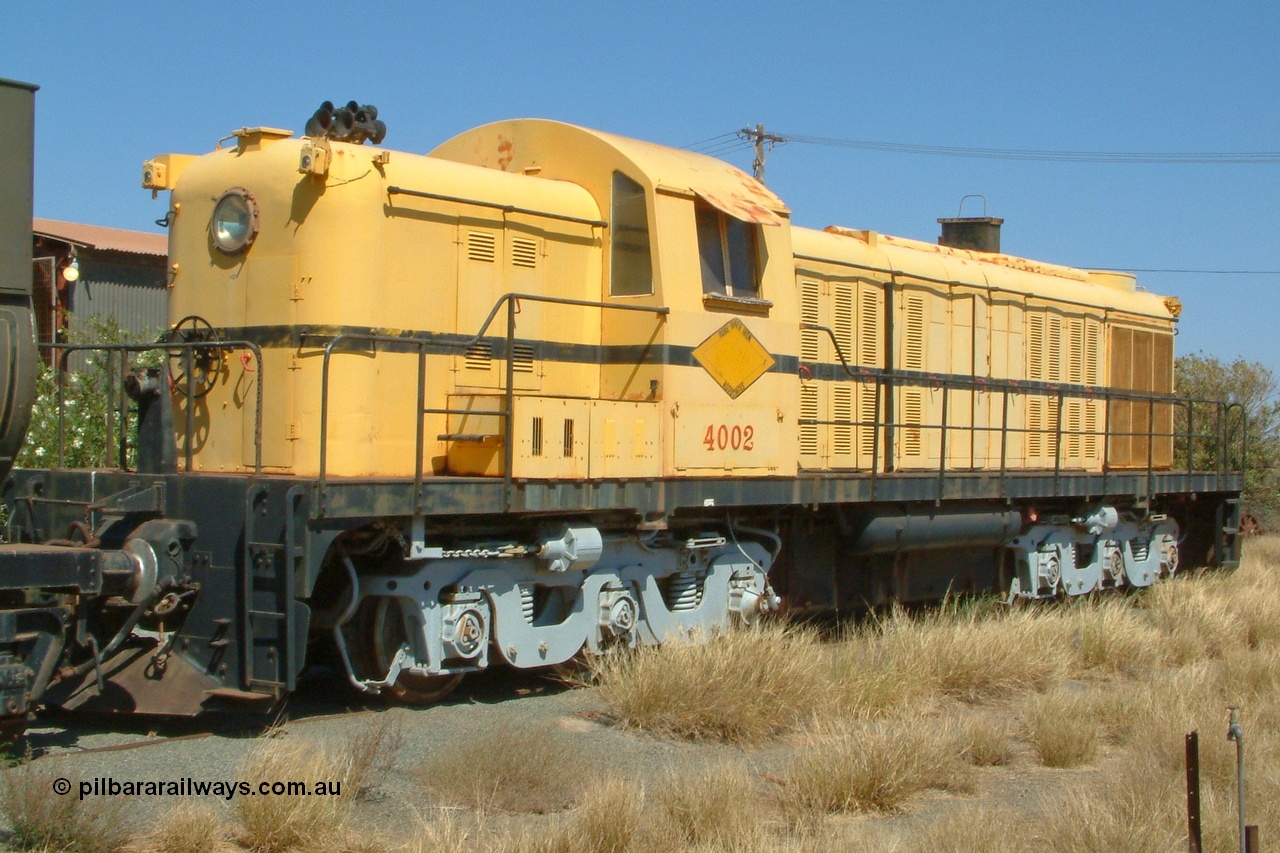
column 1035, row 346
column 809, row 411
column 869, row 329
column 1035, row 427
column 1051, row 427
column 867, row 414
column 1072, row 425
column 482, row 246
column 842, row 410
column 1075, row 351
column 522, row 358
column 524, row 252
column 810, row 349
column 1092, row 351
column 479, row 356
column 913, row 343
column 1053, row 349
column 912, row 416
column 1091, row 430
column 568, row 437
column 842, row 322
column 536, row 438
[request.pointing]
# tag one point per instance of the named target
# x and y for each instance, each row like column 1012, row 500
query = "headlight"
column 235, row 221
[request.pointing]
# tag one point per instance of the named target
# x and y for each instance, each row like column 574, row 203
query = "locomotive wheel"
column 380, row 632
column 11, row 730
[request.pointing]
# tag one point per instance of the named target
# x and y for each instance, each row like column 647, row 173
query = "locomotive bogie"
column 1088, row 555
column 535, row 604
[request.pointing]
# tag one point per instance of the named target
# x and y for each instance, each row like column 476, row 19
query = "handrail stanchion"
column 421, row 440
column 508, row 427
column 1004, row 440
column 188, row 365
column 323, row 476
column 942, row 444
column 876, row 422
column 62, row 407
column 1057, row 445
column 111, row 404
column 1151, row 447
column 1191, row 432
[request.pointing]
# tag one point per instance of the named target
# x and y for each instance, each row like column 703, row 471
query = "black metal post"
column 1195, row 839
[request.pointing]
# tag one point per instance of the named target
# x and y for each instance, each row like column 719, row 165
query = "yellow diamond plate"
column 733, row 357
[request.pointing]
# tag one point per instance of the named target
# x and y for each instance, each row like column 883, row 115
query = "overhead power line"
column 1170, row 157
column 717, row 145
column 1191, row 272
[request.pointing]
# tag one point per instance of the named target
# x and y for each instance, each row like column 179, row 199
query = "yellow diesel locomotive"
column 548, row 391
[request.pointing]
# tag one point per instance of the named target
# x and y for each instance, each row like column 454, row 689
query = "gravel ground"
column 326, row 711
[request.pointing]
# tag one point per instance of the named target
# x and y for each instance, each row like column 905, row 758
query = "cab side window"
column 631, row 265
column 729, row 254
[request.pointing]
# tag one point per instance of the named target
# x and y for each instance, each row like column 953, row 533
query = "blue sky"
column 123, row 82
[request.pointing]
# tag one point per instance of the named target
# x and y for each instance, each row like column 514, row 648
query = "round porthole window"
column 235, row 221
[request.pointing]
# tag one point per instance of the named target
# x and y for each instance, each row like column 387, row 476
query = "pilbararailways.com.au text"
column 188, row 787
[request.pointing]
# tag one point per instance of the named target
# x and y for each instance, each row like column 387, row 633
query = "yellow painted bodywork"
column 961, row 312
column 345, row 245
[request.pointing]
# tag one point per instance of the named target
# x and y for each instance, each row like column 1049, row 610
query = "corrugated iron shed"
column 121, row 277
column 102, row 238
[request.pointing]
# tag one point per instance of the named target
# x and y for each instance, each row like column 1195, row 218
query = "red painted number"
column 725, row 437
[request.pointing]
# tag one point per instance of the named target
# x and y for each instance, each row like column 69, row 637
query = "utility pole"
column 758, row 138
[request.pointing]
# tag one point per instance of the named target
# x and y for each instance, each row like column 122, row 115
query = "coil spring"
column 526, row 602
column 684, row 591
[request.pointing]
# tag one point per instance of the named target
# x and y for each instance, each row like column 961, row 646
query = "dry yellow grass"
column 1115, row 636
column 189, row 827
column 750, row 684
column 1062, row 727
column 611, row 819
column 42, row 820
column 716, row 809
column 868, row 768
column 525, row 767
column 966, row 830
column 986, row 740
column 274, row 824
column 373, row 751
